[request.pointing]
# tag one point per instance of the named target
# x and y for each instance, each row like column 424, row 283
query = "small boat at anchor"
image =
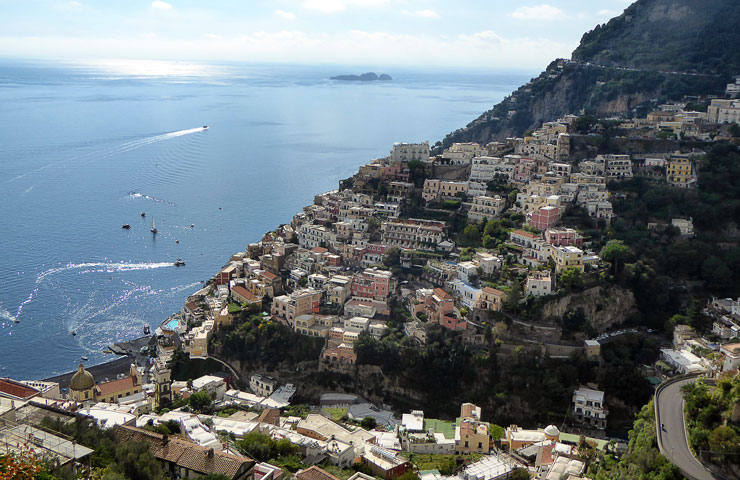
column 125, row 226
column 154, row 228
column 143, row 214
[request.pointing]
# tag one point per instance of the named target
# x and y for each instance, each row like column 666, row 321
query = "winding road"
column 672, row 438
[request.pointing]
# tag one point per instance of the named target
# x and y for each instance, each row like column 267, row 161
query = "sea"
column 88, row 146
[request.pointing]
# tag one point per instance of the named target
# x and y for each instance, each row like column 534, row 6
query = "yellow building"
column 82, row 386
column 680, row 172
column 566, row 257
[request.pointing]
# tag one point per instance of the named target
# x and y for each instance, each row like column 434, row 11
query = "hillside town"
column 439, row 237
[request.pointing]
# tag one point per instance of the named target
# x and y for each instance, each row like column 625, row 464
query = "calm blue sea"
column 85, row 148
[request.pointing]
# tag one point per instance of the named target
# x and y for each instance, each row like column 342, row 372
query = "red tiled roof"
column 525, row 234
column 269, row 275
column 115, row 386
column 319, row 250
column 270, row 416
column 493, row 291
column 186, row 454
column 441, row 294
column 243, row 292
column 314, row 473
column 16, row 389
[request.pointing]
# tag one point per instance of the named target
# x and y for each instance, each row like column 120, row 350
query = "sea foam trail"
column 112, row 151
column 149, row 197
column 88, row 267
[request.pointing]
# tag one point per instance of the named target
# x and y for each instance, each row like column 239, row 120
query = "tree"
column 368, row 423
column 470, row 236
column 200, row 401
column 136, row 462
column 615, row 251
column 303, row 281
column 392, row 257
column 734, row 130
column 571, row 278
column 520, row 474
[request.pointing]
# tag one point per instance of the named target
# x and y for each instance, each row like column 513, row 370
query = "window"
column 466, row 444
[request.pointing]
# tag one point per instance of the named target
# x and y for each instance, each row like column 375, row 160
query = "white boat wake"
column 84, row 268
column 112, row 151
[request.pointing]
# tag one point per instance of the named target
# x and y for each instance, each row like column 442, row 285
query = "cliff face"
column 655, row 50
column 603, row 307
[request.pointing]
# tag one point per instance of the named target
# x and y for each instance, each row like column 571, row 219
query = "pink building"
column 543, row 218
column 372, row 283
column 453, row 323
column 563, row 237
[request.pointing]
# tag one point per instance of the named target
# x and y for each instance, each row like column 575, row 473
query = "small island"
column 365, row 77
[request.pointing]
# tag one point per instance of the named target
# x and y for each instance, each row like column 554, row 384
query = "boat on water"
column 205, row 127
column 143, row 214
column 179, row 262
column 16, row 320
column 84, row 358
column 74, row 334
column 125, row 226
column 147, row 330
column 154, row 228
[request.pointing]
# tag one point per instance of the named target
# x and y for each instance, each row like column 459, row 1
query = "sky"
column 490, row 34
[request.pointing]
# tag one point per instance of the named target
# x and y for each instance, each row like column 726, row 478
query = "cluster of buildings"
column 712, row 354
column 331, row 273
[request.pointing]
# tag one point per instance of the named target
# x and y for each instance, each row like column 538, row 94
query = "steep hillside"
column 655, row 50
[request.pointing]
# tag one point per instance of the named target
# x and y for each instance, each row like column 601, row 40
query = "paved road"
column 672, row 441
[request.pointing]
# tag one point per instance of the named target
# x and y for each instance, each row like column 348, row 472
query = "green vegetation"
column 110, row 460
column 184, row 368
column 642, row 461
column 714, row 429
column 262, row 343
column 446, row 464
column 264, row 448
column 337, row 414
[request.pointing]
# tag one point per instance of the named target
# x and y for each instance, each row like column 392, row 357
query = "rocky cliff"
column 656, row 50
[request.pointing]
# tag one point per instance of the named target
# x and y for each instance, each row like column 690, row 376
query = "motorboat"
column 125, row 226
column 179, row 262
column 74, row 334
column 147, row 330
column 192, row 225
column 177, row 241
column 143, row 214
column 205, row 127
column 84, row 358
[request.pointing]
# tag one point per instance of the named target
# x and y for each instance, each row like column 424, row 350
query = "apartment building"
column 589, row 408
column 412, row 233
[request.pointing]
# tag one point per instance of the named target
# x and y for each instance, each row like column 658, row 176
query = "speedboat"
column 179, row 262
column 74, row 334
column 84, row 358
column 205, row 127
column 125, row 226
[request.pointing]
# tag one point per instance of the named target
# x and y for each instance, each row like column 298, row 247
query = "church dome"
column 81, row 380
column 552, row 431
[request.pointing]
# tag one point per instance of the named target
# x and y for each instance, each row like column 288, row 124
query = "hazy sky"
column 514, row 34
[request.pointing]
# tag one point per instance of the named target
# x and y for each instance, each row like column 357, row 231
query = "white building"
column 486, row 208
column 589, row 408
column 405, row 152
column 215, row 386
column 539, row 284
